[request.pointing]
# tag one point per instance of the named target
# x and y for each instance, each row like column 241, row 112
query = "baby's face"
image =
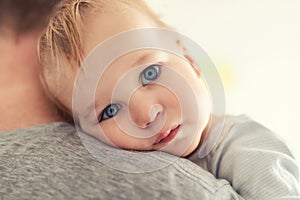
column 152, row 100
column 146, row 99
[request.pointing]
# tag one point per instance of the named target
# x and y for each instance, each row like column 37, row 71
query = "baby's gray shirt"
column 255, row 160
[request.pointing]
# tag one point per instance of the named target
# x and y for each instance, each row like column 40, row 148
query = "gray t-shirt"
column 50, row 162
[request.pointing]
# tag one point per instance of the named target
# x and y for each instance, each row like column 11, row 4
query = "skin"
column 147, row 103
column 23, row 102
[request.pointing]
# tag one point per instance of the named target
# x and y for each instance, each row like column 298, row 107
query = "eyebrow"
column 142, row 58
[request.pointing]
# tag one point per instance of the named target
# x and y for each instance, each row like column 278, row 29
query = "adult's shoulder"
column 51, row 161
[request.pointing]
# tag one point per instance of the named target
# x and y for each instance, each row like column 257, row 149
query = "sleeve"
column 257, row 162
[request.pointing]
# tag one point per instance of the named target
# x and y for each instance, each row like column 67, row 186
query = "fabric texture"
column 256, row 161
column 50, row 162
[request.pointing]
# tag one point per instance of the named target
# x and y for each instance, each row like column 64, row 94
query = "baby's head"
column 153, row 110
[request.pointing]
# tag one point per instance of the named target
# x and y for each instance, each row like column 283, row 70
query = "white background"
column 256, row 48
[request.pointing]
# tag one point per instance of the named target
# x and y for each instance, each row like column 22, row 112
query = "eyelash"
column 155, row 69
column 105, row 113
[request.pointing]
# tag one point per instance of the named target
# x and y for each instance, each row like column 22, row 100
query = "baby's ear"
column 188, row 57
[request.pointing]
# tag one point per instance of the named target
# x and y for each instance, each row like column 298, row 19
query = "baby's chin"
column 190, row 149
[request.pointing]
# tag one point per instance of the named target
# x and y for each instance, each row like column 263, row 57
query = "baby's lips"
column 161, row 137
column 167, row 133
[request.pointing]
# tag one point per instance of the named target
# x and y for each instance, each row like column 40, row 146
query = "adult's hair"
column 22, row 16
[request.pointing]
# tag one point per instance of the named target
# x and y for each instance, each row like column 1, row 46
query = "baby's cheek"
column 115, row 135
column 109, row 130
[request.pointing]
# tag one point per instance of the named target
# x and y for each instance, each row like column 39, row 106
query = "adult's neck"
column 22, row 100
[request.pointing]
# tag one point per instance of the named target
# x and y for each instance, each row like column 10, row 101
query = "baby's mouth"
column 167, row 136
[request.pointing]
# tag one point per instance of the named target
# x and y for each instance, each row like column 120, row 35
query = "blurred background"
column 255, row 46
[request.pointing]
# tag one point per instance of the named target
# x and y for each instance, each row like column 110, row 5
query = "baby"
column 155, row 100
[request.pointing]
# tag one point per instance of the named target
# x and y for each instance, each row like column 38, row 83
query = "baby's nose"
column 144, row 109
column 154, row 112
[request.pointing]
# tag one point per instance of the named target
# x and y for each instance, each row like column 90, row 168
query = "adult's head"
column 20, row 17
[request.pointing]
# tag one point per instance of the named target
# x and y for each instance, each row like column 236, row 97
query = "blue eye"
column 109, row 112
column 150, row 74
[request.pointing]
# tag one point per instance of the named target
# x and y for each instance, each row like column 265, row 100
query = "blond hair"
column 61, row 47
